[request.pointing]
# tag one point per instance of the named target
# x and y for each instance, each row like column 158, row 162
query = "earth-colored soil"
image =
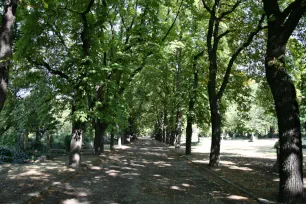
column 147, row 172
column 247, row 165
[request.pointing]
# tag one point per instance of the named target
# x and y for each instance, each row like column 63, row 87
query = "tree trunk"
column 188, row 134
column 165, row 124
column 25, row 140
column 287, row 110
column 6, row 41
column 192, row 99
column 76, row 144
column 172, row 129
column 216, row 134
column 48, row 139
column 76, row 139
column 280, row 27
column 112, row 140
column 100, row 129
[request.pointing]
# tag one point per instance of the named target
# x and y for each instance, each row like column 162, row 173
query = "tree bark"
column 179, row 114
column 192, row 100
column 112, row 140
column 100, row 129
column 287, row 110
column 76, row 144
column 6, row 41
column 165, row 124
column 76, row 140
column 281, row 25
column 214, row 158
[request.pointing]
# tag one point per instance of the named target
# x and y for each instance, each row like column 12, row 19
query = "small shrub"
column 12, row 155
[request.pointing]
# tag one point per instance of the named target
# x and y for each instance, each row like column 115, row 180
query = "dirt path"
column 145, row 172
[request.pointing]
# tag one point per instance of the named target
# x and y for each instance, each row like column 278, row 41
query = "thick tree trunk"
column 216, row 134
column 76, row 144
column 100, row 129
column 287, row 110
column 6, row 41
column 76, row 139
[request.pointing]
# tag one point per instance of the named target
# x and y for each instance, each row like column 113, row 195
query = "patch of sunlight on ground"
column 241, row 168
column 96, row 168
column 263, row 148
column 227, row 163
column 73, row 201
column 113, row 173
column 82, row 194
column 176, row 188
column 34, row 194
column 218, row 194
column 162, row 164
column 236, row 197
column 276, row 180
column 187, row 185
column 200, row 161
column 122, row 147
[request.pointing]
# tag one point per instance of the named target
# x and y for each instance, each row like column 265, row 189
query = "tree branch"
column 223, row 34
column 89, row 7
column 206, row 6
column 224, row 14
column 48, row 67
column 271, row 7
column 235, row 55
column 177, row 14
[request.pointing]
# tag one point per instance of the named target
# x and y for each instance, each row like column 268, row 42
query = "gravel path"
column 144, row 172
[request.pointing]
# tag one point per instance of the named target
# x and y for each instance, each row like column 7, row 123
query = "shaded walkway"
column 145, row 172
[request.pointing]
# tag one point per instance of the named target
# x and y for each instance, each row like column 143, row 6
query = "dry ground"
column 147, row 172
column 246, row 164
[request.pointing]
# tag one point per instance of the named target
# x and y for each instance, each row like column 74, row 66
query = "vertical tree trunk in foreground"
column 100, row 129
column 215, row 94
column 112, row 140
column 192, row 100
column 76, row 144
column 76, row 141
column 6, row 41
column 281, row 25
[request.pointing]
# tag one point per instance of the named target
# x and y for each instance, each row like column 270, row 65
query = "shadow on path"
column 144, row 172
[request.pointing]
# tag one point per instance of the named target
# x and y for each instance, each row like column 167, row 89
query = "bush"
column 12, row 155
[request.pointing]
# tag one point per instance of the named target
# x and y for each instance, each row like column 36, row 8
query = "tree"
column 6, row 42
column 218, row 12
column 281, row 24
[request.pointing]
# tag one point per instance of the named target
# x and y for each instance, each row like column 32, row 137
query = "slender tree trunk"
column 100, row 129
column 6, row 41
column 188, row 134
column 172, row 131
column 192, row 99
column 179, row 113
column 25, row 140
column 287, row 110
column 112, row 140
column 165, row 124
